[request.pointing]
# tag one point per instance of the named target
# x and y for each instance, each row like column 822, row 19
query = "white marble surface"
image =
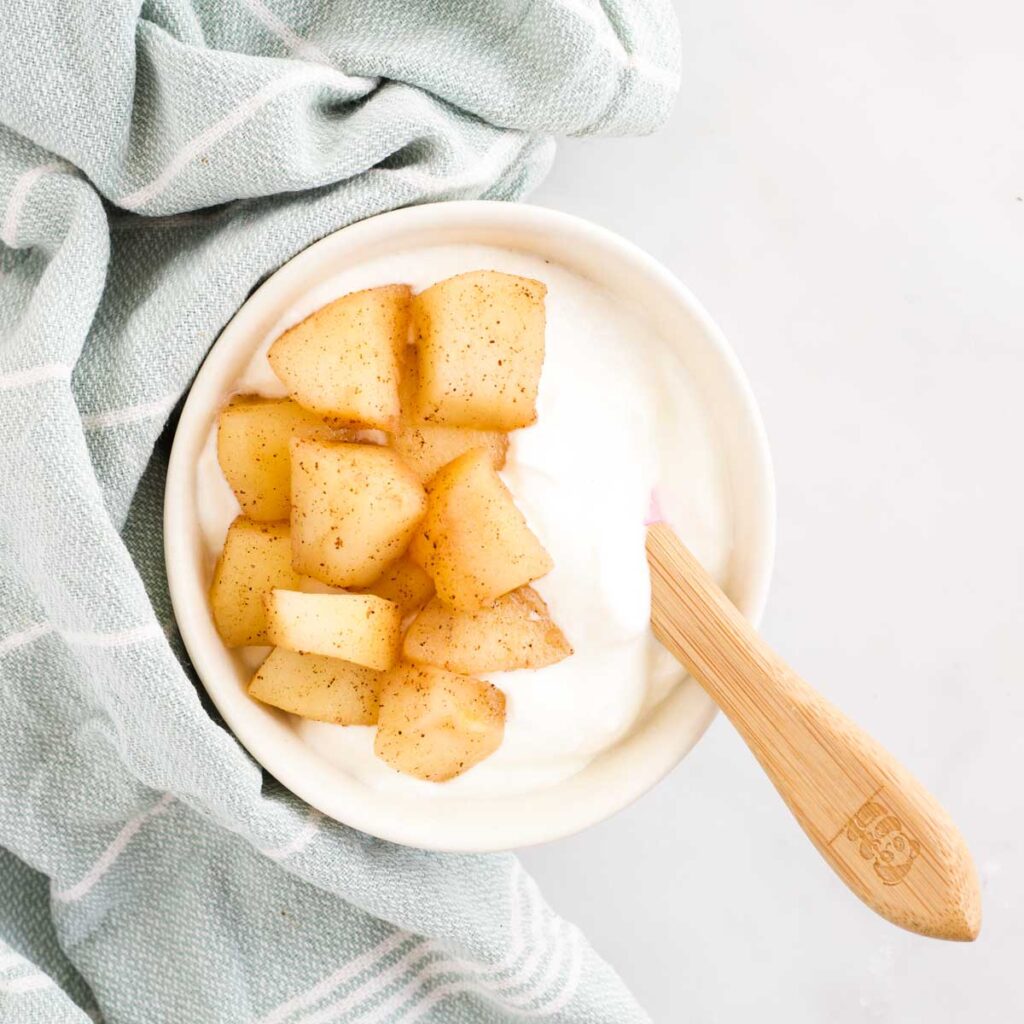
column 843, row 186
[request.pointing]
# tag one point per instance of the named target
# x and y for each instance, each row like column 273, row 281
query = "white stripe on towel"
column 139, row 634
column 473, row 980
column 555, row 964
column 369, row 988
column 436, row 968
column 562, row 944
column 300, row 841
column 369, row 960
column 28, row 983
column 300, row 47
column 26, row 636
column 113, row 851
column 305, row 75
column 372, row 959
column 125, row 638
column 130, row 414
column 435, row 962
column 34, row 375
column 16, row 203
column 547, row 1008
column 548, row 956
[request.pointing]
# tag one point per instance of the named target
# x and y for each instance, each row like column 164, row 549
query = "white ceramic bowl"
column 621, row 774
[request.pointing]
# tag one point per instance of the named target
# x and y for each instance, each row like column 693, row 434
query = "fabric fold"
column 157, row 161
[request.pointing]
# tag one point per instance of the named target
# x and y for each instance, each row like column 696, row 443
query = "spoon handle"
column 881, row 831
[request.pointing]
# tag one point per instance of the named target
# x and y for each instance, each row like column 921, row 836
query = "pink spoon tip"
column 654, row 511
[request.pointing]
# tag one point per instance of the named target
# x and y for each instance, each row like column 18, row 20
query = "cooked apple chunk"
column 474, row 542
column 426, row 447
column 406, row 584
column 434, row 724
column 481, row 348
column 341, row 360
column 253, row 435
column 517, row 632
column 354, row 509
column 324, row 689
column 361, row 628
column 256, row 558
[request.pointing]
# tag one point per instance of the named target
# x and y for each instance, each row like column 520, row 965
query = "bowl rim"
column 295, row 765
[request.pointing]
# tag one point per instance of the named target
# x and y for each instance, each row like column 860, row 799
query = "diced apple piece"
column 435, row 725
column 341, row 360
column 517, row 632
column 257, row 557
column 354, row 509
column 253, row 435
column 406, row 584
column 324, row 689
column 426, row 447
column 474, row 542
column 361, row 628
column 481, row 348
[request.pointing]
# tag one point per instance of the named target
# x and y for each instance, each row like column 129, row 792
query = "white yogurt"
column 617, row 417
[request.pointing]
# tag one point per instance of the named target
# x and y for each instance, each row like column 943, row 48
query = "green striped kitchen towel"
column 157, row 159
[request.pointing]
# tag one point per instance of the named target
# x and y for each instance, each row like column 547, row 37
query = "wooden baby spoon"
column 884, row 835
